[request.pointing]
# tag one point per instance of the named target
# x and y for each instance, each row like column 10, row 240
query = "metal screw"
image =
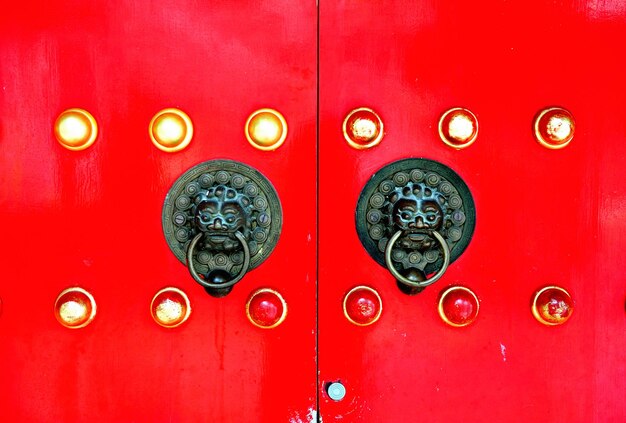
column 264, row 219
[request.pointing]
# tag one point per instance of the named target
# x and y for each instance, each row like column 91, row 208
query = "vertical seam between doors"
column 317, row 210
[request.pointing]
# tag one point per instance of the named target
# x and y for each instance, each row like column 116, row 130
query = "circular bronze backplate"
column 415, row 183
column 226, row 181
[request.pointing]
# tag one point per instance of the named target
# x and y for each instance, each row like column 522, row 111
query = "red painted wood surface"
column 93, row 218
column 543, row 217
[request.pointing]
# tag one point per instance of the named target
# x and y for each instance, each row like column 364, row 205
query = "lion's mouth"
column 219, row 237
column 416, row 236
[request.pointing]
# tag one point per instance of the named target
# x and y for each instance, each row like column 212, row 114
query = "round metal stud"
column 458, row 306
column 554, row 128
column 363, row 128
column 171, row 130
column 75, row 308
column 362, row 306
column 170, row 307
column 552, row 306
column 266, row 129
column 266, row 308
column 76, row 129
column 458, row 128
column 336, row 391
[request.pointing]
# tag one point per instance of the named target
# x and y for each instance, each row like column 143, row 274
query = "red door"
column 544, row 217
column 479, row 145
column 76, row 215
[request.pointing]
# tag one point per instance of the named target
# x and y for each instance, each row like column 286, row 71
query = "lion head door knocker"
column 415, row 217
column 221, row 219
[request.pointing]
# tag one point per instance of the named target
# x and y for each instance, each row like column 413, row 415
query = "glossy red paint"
column 543, row 216
column 92, row 218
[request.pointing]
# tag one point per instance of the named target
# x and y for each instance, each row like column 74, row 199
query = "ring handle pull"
column 417, row 284
column 212, row 285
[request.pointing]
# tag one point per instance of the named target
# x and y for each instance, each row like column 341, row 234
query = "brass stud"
column 266, row 308
column 266, row 129
column 362, row 306
column 363, row 128
column 75, row 308
column 554, row 128
column 171, row 130
column 170, row 307
column 458, row 306
column 552, row 305
column 76, row 129
column 458, row 128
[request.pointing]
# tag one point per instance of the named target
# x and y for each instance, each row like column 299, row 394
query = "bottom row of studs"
column 458, row 306
column 75, row 308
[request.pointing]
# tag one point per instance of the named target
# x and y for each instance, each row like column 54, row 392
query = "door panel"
column 543, row 217
column 92, row 218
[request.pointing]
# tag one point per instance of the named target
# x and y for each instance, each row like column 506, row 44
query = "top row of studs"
column 458, row 128
column 170, row 129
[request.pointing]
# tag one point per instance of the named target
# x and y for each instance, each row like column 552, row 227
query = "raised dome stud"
column 266, row 129
column 458, row 306
column 266, row 308
column 76, row 129
column 552, row 306
column 554, row 128
column 363, row 128
column 170, row 307
column 362, row 306
column 171, row 130
column 75, row 308
column 458, row 128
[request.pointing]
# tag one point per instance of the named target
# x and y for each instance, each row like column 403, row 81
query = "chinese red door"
column 314, row 154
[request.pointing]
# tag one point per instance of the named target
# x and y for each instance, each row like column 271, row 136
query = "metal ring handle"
column 242, row 272
column 402, row 279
